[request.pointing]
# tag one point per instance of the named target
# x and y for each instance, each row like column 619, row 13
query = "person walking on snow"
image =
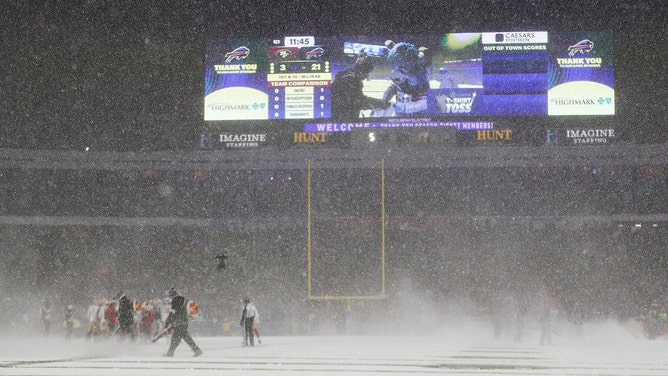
column 126, row 319
column 177, row 321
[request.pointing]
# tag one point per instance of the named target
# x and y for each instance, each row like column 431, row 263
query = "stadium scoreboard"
column 432, row 77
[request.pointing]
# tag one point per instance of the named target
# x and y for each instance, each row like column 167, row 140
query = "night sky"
column 122, row 76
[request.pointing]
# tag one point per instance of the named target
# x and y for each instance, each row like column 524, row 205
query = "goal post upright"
column 309, row 226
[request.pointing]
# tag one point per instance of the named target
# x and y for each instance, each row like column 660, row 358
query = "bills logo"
column 582, row 46
column 315, row 53
column 239, row 53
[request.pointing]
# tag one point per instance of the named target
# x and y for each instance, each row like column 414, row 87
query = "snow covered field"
column 339, row 355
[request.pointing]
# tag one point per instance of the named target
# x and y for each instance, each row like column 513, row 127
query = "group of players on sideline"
column 125, row 319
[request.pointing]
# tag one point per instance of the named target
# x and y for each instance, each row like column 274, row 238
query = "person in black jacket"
column 348, row 97
column 178, row 322
column 125, row 316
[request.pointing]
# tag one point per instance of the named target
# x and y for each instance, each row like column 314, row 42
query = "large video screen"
column 430, row 77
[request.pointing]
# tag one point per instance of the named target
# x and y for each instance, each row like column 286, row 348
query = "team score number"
column 313, row 67
column 299, row 41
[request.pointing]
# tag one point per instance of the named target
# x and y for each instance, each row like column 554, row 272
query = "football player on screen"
column 410, row 68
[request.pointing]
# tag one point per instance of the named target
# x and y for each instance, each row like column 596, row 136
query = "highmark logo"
column 581, row 101
column 573, row 101
column 236, row 106
column 581, row 98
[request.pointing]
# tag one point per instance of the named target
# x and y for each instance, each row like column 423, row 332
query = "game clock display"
column 409, row 76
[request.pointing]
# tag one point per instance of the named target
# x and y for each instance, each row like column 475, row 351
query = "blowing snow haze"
column 111, row 180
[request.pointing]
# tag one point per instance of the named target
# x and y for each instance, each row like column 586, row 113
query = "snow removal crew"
column 177, row 323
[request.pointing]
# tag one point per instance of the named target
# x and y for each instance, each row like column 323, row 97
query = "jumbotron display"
column 408, row 76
